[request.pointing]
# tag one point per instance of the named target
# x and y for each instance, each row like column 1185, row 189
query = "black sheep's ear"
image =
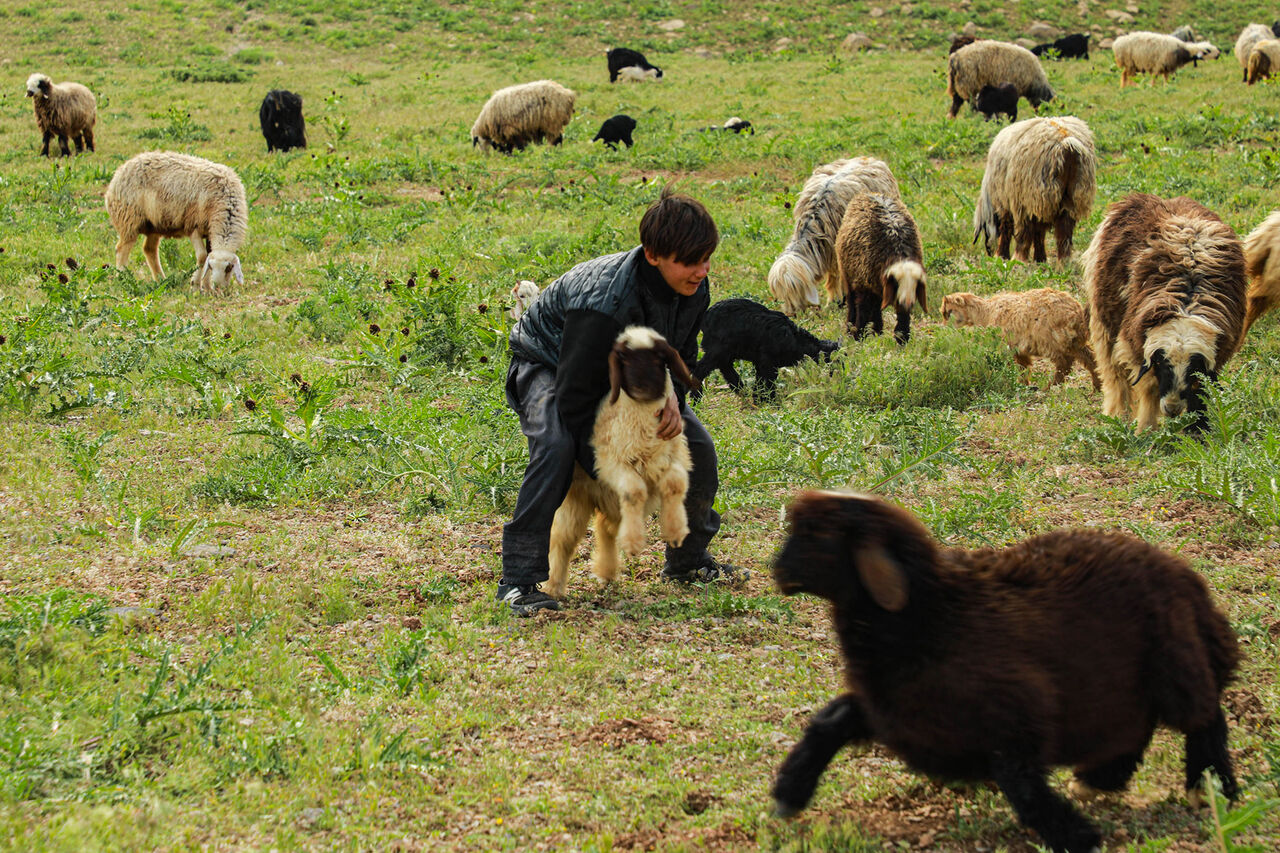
column 882, row 577
column 615, row 373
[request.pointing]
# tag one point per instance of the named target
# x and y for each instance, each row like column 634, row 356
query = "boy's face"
column 684, row 279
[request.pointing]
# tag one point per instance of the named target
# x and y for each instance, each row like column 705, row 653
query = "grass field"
column 249, row 542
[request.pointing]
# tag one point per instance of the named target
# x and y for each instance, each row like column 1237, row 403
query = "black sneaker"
column 710, row 570
column 525, row 599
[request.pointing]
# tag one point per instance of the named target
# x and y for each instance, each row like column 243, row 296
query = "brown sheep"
column 1264, row 57
column 1166, row 287
column 1068, row 649
column 64, row 110
column 636, row 472
column 881, row 264
column 1262, row 265
column 1044, row 323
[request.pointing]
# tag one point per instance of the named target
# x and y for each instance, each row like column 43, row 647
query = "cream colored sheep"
column 1264, row 57
column 810, row 256
column 525, row 292
column 160, row 194
column 636, row 472
column 1156, row 53
column 1040, row 172
column 1249, row 36
column 519, row 115
column 1262, row 265
column 64, row 110
column 990, row 63
column 1042, row 323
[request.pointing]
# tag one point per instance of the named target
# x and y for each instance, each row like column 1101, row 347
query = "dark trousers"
column 526, row 539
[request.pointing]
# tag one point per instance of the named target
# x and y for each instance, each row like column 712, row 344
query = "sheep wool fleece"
column 559, row 373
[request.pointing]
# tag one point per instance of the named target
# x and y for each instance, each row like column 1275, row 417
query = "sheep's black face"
column 1198, row 372
column 828, row 348
column 643, row 373
column 815, row 556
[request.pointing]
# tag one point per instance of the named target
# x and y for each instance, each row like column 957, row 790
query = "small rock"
column 1132, row 8
column 310, row 817
column 130, row 613
column 876, row 12
column 207, row 550
column 413, row 623
column 526, row 17
column 1026, row 42
column 783, row 43
column 969, row 29
column 671, row 25
column 1119, row 16
column 1040, row 31
column 704, row 53
column 855, row 42
column 1105, row 44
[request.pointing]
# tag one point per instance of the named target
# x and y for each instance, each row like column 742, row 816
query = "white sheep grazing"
column 991, row 63
column 636, row 472
column 525, row 292
column 64, row 110
column 1263, row 60
column 527, row 113
column 810, row 256
column 1262, row 266
column 1249, row 36
column 1156, row 53
column 1040, row 323
column 163, row 194
column 1040, row 172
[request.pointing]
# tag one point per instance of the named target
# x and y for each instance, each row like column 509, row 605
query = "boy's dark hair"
column 678, row 225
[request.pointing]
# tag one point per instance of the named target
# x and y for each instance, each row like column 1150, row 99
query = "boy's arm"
column 582, row 375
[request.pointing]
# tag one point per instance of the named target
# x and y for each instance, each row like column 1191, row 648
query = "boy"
column 559, row 372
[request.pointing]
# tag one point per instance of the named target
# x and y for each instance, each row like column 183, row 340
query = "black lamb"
column 995, row 100
column 744, row 330
column 1074, row 46
column 282, row 123
column 616, row 129
column 624, row 57
column 1066, row 649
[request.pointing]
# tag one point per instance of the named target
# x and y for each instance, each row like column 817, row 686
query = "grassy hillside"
column 249, row 542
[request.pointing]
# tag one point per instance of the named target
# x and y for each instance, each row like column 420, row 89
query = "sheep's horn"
column 1142, row 373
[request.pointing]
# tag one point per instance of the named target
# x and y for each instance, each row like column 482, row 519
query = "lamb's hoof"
column 1082, row 791
column 785, row 811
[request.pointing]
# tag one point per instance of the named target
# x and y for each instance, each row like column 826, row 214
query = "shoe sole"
column 530, row 609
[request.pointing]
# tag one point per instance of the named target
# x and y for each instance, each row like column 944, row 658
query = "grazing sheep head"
column 1179, row 353
column 220, row 266
column 638, row 365
column 904, row 286
column 1203, row 50
column 793, row 283
column 1038, row 94
column 39, row 83
column 960, row 307
column 849, row 547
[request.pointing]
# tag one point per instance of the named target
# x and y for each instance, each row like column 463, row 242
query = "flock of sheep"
column 925, row 631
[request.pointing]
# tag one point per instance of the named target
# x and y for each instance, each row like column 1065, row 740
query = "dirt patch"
column 619, row 733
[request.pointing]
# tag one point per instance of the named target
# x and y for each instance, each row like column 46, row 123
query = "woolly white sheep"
column 881, row 264
column 636, row 472
column 163, row 194
column 1040, row 172
column 1166, row 285
column 526, row 113
column 64, row 110
column 1043, row 323
column 1249, row 36
column 810, row 256
column 1262, row 265
column 1263, row 59
column 990, row 63
column 1156, row 53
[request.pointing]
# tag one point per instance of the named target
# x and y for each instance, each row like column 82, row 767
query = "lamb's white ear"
column 237, row 272
column 882, row 577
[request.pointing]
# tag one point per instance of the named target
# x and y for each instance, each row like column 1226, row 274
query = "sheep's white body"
column 637, row 473
column 160, row 194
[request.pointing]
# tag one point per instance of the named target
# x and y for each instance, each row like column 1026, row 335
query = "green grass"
column 295, row 490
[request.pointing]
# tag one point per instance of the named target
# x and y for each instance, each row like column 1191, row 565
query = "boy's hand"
column 670, row 424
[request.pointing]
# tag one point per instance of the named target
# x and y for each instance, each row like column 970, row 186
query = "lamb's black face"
column 817, row 555
column 643, row 373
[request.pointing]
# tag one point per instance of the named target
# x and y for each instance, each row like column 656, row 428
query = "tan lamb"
column 1262, row 265
column 1041, row 323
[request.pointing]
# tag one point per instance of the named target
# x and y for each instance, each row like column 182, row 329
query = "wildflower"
column 249, row 404
column 374, row 328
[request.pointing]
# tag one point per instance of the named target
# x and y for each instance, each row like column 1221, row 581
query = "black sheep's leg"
column 902, row 331
column 876, row 312
column 48, row 137
column 766, row 380
column 843, row 721
column 1054, row 819
column 731, row 376
column 853, row 314
column 1113, row 775
column 1207, row 748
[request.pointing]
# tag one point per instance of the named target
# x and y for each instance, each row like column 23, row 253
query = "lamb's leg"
column 632, row 496
column 151, row 251
column 674, row 520
column 1084, row 355
column 730, row 374
column 48, row 137
column 902, row 331
column 1024, row 361
column 123, row 247
column 1053, row 818
column 843, row 721
column 766, row 380
column 1061, row 367
column 567, row 529
column 604, row 558
column 1064, row 229
column 1207, row 747
column 1113, row 775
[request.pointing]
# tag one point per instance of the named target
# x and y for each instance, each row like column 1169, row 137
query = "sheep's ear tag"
column 883, row 578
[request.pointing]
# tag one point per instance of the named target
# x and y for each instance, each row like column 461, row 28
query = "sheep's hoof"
column 1196, row 799
column 785, row 811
